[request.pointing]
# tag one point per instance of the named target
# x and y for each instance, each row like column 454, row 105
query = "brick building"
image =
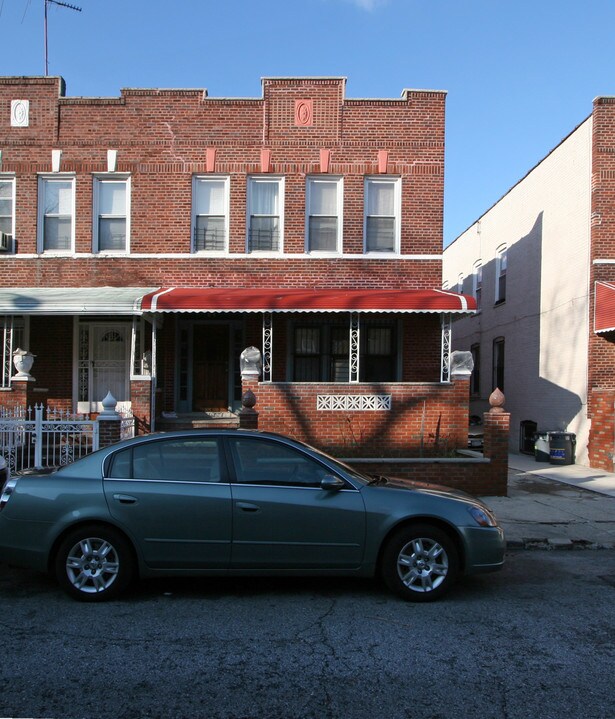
column 541, row 263
column 148, row 239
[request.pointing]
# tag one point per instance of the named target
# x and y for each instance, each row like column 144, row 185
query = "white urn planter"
column 23, row 361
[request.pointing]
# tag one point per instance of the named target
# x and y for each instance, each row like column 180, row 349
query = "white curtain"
column 323, row 198
column 381, row 198
column 265, row 198
column 112, row 198
column 58, row 197
column 210, row 197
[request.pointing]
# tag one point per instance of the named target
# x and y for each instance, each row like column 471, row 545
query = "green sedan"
column 235, row 502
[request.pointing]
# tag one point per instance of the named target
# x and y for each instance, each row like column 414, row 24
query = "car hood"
column 428, row 488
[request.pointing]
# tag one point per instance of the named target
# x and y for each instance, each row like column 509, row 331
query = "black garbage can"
column 541, row 447
column 561, row 447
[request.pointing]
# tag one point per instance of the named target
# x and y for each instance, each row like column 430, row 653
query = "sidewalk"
column 556, row 507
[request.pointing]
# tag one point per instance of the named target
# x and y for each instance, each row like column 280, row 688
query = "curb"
column 534, row 543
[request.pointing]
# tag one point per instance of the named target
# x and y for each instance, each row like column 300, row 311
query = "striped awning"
column 185, row 299
column 72, row 300
column 604, row 307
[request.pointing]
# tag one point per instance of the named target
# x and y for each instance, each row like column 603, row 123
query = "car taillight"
column 7, row 490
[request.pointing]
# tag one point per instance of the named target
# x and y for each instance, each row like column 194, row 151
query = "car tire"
column 420, row 563
column 94, row 563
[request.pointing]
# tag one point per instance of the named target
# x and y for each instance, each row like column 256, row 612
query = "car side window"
column 273, row 463
column 190, row 459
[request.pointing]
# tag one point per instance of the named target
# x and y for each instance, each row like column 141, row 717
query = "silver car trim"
column 165, row 481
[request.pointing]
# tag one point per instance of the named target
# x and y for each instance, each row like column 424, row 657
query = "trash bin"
column 541, row 447
column 561, row 447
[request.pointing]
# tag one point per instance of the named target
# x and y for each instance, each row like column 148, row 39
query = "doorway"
column 210, row 368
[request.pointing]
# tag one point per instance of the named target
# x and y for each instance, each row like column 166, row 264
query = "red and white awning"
column 604, row 307
column 186, row 299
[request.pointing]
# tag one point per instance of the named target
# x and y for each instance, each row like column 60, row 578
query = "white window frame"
column 252, row 181
column 8, row 330
column 310, row 182
column 98, row 181
column 10, row 179
column 42, row 184
column 477, row 283
column 196, row 180
column 501, row 269
column 368, row 182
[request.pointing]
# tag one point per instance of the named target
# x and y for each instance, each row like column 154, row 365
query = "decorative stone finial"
column 248, row 399
column 109, row 404
column 496, row 400
column 250, row 362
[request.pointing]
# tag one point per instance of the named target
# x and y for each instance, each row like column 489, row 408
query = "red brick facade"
column 162, row 140
column 601, row 395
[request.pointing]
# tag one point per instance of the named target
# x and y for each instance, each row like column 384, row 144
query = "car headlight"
column 482, row 517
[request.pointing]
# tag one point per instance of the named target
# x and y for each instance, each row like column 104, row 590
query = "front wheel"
column 94, row 564
column 420, row 563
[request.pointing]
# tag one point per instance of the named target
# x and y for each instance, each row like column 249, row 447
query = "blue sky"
column 520, row 75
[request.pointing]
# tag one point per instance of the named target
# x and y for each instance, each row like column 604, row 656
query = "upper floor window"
column 111, row 199
column 323, row 203
column 501, row 264
column 460, row 283
column 7, row 210
column 210, row 219
column 382, row 214
column 477, row 284
column 265, row 214
column 56, row 220
column 475, row 377
column 498, row 364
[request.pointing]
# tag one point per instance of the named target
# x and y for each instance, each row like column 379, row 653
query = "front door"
column 104, row 363
column 210, row 352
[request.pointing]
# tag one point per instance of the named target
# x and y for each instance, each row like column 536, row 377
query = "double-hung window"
column 56, row 219
column 477, row 282
column 324, row 212
column 7, row 208
column 321, row 353
column 382, row 214
column 111, row 214
column 501, row 266
column 497, row 379
column 265, row 214
column 210, row 219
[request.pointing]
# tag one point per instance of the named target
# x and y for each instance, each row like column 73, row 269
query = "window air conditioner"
column 5, row 242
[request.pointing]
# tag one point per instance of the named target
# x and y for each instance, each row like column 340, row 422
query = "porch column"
column 445, row 371
column 355, row 343
column 267, row 345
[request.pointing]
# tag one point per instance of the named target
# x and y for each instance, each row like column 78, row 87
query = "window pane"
column 58, row 197
column 270, row 463
column 210, row 233
column 264, row 233
column 265, row 198
column 57, row 233
column 6, row 225
column 380, row 234
column 112, row 234
column 307, row 340
column 307, row 369
column 381, row 198
column 323, row 198
column 379, row 340
column 6, row 191
column 183, row 460
column 210, row 197
column 112, row 198
column 323, row 233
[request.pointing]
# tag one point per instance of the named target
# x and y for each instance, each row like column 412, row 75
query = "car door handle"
column 247, row 507
column 125, row 499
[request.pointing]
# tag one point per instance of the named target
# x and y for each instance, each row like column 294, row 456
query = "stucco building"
column 541, row 263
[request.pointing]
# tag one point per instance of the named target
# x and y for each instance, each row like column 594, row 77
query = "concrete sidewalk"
column 556, row 507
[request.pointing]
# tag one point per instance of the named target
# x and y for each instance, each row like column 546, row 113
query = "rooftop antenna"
column 62, row 4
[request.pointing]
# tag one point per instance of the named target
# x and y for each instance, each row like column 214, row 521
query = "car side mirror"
column 331, row 483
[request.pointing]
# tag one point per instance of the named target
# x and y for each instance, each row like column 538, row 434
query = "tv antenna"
column 61, row 4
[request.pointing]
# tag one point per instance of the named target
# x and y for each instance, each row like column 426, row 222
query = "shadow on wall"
column 524, row 325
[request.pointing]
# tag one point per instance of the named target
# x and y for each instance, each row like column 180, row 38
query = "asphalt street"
column 535, row 640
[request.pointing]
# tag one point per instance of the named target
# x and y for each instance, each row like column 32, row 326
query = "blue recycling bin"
column 562, row 447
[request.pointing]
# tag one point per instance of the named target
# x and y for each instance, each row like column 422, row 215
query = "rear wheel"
column 420, row 563
column 94, row 564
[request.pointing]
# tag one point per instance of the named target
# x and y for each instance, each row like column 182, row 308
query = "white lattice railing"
column 354, row 402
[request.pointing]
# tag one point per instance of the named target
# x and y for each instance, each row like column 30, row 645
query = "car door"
column 174, row 498
column 282, row 518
